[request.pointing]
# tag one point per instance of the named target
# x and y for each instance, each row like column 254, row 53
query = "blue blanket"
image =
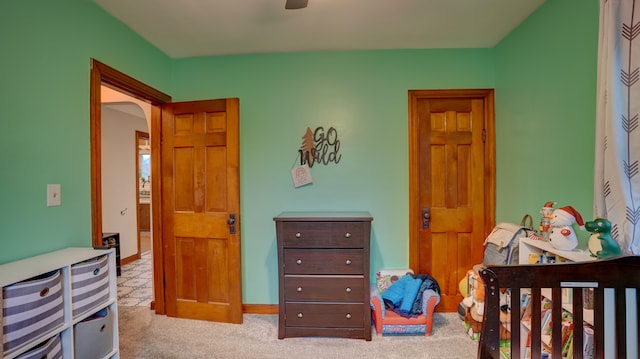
column 405, row 295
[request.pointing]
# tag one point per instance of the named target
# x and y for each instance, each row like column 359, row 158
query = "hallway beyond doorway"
column 135, row 284
column 145, row 242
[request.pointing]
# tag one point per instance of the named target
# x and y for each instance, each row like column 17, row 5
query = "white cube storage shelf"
column 58, row 304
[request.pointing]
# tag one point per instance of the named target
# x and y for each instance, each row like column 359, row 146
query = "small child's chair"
column 388, row 322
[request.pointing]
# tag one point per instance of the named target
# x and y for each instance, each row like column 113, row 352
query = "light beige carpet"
column 146, row 335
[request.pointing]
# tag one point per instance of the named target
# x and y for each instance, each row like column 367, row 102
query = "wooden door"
column 200, row 211
column 451, row 184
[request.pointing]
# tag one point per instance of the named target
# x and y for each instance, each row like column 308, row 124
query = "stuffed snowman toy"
column 562, row 235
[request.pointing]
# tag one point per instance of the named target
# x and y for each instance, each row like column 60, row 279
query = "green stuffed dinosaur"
column 602, row 227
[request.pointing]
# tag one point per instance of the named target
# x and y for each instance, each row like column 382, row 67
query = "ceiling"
column 188, row 28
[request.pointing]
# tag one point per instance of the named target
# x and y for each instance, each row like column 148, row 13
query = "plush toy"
column 473, row 326
column 545, row 221
column 474, row 303
column 473, row 306
column 594, row 244
column 505, row 328
column 547, row 209
column 505, row 314
column 562, row 235
column 602, row 228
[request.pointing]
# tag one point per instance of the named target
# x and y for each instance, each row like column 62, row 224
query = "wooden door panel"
column 183, row 184
column 212, row 225
column 448, row 162
column 214, row 139
column 216, row 195
column 196, row 257
column 450, row 104
column 458, row 220
column 186, row 275
column 200, row 181
column 218, row 256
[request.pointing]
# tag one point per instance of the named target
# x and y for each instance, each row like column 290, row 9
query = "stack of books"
column 547, row 327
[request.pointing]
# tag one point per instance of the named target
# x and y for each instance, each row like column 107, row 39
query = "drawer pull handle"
column 298, row 235
column 347, row 235
column 300, row 315
column 348, row 315
column 347, row 262
column 348, row 290
column 299, row 289
column 299, row 261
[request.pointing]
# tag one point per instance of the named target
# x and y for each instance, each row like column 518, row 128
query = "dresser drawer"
column 324, row 288
column 323, row 261
column 324, row 234
column 324, row 315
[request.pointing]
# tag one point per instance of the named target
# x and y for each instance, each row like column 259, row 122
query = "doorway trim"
column 138, row 137
column 414, row 147
column 102, row 74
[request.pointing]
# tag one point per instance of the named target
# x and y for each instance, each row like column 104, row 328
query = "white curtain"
column 617, row 153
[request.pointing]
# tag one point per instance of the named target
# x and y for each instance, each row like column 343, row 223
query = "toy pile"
column 557, row 228
column 471, row 309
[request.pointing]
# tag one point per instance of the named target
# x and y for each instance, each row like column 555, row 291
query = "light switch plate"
column 53, row 195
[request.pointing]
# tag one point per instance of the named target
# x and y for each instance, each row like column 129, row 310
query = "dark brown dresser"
column 323, row 274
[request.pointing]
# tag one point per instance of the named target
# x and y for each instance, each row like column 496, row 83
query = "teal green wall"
column 545, row 110
column 545, row 102
column 363, row 94
column 44, row 124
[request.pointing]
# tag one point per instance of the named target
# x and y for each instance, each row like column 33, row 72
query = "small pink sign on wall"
column 301, row 175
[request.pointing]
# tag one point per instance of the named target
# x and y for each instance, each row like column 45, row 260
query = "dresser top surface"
column 323, row 216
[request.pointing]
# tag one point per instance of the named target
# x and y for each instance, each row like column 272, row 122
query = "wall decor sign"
column 320, row 146
column 301, row 175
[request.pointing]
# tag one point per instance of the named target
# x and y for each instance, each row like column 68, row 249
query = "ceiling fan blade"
column 295, row 4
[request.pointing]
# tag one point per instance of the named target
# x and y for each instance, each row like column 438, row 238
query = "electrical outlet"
column 53, row 195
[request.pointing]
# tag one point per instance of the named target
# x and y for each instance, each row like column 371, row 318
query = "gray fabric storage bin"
column 89, row 284
column 51, row 349
column 93, row 337
column 31, row 308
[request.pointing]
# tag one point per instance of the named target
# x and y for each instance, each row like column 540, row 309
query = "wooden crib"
column 613, row 320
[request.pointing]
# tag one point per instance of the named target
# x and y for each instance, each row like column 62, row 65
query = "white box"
column 93, row 337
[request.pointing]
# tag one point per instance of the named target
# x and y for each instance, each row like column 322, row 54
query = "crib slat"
column 516, row 294
column 621, row 322
column 578, row 323
column 598, row 323
column 556, row 322
column 536, row 319
column 638, row 320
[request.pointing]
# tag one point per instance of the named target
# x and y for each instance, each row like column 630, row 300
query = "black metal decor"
column 320, row 147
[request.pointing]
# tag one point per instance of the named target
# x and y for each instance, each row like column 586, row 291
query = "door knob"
column 231, row 221
column 426, row 217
